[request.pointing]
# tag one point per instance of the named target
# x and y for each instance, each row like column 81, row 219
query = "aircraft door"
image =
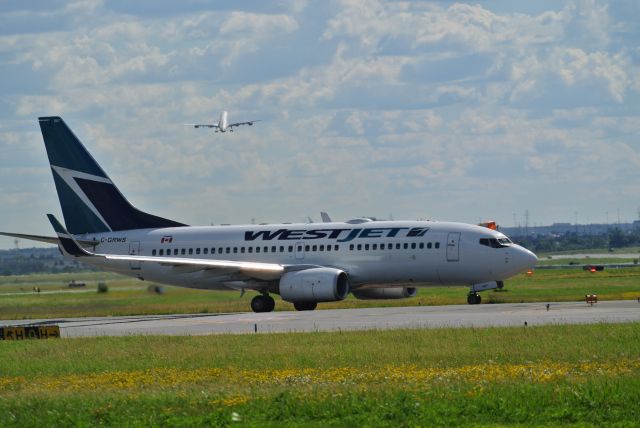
column 134, row 250
column 299, row 250
column 453, row 247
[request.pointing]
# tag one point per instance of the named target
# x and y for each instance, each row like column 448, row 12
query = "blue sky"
column 439, row 110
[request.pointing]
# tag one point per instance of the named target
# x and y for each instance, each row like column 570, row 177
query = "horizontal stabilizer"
column 67, row 242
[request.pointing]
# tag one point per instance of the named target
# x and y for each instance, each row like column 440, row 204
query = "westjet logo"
column 340, row 235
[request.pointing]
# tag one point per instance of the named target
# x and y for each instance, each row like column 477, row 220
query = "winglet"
column 325, row 217
column 67, row 241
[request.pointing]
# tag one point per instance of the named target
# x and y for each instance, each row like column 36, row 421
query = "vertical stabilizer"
column 90, row 202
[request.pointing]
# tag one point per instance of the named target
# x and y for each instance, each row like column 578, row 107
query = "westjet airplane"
column 303, row 263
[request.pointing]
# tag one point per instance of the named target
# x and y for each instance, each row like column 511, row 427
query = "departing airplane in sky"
column 303, row 263
column 223, row 124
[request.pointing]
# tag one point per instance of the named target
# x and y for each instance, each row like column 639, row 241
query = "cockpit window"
column 495, row 243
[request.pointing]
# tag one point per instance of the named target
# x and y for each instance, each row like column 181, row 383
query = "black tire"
column 305, row 306
column 262, row 304
column 271, row 304
column 474, row 299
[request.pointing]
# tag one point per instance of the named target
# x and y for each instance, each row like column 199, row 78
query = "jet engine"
column 314, row 285
column 385, row 293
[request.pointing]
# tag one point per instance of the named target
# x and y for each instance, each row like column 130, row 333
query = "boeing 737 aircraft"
column 223, row 124
column 303, row 263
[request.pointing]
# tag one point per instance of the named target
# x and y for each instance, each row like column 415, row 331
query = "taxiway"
column 349, row 319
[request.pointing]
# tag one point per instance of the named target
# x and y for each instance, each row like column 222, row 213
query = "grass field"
column 585, row 375
column 128, row 296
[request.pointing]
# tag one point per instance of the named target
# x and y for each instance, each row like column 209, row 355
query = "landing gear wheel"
column 305, row 306
column 474, row 299
column 262, row 303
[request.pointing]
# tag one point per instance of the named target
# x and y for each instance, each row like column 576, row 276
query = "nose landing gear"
column 473, row 298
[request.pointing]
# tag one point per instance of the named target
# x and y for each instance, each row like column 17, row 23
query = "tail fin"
column 90, row 202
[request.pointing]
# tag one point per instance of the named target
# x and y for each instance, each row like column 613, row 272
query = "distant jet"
column 223, row 124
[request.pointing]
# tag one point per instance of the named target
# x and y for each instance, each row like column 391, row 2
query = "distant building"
column 557, row 229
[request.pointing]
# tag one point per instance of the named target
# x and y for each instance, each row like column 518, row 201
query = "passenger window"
column 359, row 247
column 321, row 247
column 328, row 247
column 374, row 247
column 235, row 250
column 175, row 252
column 281, row 249
column 413, row 245
column 197, row 250
column 257, row 249
column 406, row 246
column 190, row 251
column 336, row 247
column 421, row 245
column 183, row 251
column 306, row 248
column 350, row 247
column 429, row 245
column 242, row 250
column 437, row 245
column 205, row 251
column 291, row 248
column 299, row 247
column 265, row 250
column 153, row 252
column 273, row 249
column 228, row 250
column 366, row 247
column 314, row 248
column 162, row 251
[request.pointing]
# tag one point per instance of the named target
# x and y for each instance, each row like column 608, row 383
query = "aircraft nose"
column 526, row 259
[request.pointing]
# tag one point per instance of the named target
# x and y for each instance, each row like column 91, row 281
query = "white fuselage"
column 223, row 123
column 372, row 253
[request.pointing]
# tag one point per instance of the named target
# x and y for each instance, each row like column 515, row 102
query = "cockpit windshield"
column 496, row 242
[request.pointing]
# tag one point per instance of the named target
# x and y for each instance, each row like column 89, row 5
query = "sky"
column 406, row 110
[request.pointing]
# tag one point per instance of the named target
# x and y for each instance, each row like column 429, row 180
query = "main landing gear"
column 305, row 306
column 474, row 299
column 262, row 303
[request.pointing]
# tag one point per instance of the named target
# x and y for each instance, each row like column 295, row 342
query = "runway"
column 486, row 315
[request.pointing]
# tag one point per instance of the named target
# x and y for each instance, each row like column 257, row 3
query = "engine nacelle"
column 385, row 293
column 314, row 285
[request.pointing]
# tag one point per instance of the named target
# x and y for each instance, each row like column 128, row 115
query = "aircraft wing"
column 47, row 239
column 202, row 125
column 253, row 270
column 251, row 122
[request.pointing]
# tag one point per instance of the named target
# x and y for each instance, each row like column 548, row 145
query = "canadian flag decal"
column 166, row 239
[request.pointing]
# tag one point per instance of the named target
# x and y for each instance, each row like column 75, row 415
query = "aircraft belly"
column 394, row 270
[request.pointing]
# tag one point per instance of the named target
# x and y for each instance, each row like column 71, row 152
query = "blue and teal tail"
column 90, row 202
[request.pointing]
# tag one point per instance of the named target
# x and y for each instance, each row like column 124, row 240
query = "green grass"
column 129, row 296
column 583, row 375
